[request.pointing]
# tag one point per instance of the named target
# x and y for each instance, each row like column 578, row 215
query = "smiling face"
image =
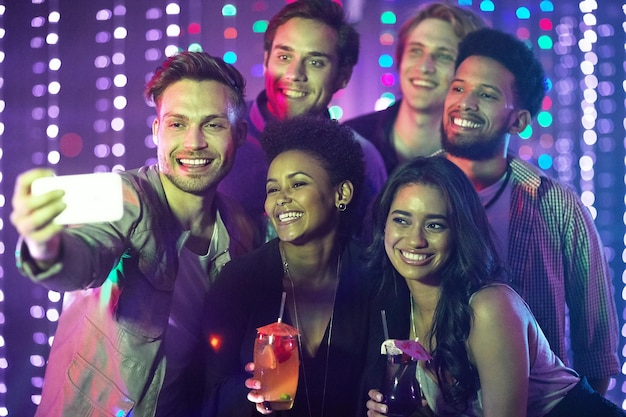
column 481, row 111
column 418, row 240
column 302, row 69
column 427, row 65
column 301, row 202
column 197, row 134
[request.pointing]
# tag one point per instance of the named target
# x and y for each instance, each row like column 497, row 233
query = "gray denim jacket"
column 107, row 357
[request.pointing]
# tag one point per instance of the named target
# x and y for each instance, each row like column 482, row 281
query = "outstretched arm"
column 33, row 218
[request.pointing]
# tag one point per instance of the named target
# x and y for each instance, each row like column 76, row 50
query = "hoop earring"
column 342, row 207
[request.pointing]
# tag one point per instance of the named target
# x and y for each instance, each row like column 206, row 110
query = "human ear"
column 344, row 193
column 522, row 119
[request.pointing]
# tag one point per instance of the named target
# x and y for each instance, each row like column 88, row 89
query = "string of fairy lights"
column 3, row 348
column 574, row 132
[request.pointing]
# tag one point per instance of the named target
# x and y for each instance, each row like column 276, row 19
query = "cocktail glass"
column 276, row 364
column 400, row 388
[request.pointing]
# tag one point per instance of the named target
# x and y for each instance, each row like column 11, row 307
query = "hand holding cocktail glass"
column 276, row 365
column 400, row 392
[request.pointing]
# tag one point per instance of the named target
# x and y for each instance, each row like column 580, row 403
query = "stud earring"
column 342, row 207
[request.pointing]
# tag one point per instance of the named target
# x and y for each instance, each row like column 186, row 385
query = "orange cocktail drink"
column 276, row 364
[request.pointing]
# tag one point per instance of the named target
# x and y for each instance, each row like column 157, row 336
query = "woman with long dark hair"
column 443, row 284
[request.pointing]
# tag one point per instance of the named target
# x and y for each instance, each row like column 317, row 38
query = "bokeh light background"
column 71, row 97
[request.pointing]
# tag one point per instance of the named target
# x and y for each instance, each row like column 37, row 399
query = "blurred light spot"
column 120, row 33
column 546, row 104
column 39, row 68
column 195, row 47
column 100, row 126
column 52, row 315
column 104, row 14
column 54, row 87
column 37, row 312
column 522, row 13
column 385, row 61
column 383, row 102
column 54, row 64
column 522, row 33
column 70, row 144
column 154, row 13
column 153, row 35
column 544, row 119
column 117, row 124
column 586, row 163
column 230, row 33
column 36, row 42
column 194, row 28
column 102, row 104
column 37, row 22
column 173, row 31
column 386, row 39
column 101, row 151
column 545, row 24
column 103, row 83
column 336, row 112
column 229, row 10
column 260, row 26
column 388, row 18
column 102, row 61
column 544, row 42
column 487, row 6
column 172, row 8
column 546, row 6
column 387, row 79
column 52, row 131
column 120, row 80
column 120, row 102
column 525, row 152
column 38, row 90
column 118, row 149
column 544, row 161
column 230, row 57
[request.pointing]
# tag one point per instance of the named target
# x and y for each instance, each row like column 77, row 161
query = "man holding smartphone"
column 128, row 340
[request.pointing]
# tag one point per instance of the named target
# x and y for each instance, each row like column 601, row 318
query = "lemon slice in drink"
column 267, row 358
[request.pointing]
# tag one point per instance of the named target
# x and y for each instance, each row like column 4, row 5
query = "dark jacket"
column 247, row 295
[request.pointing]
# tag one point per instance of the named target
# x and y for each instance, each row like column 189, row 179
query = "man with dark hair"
column 425, row 54
column 129, row 337
column 545, row 234
column 310, row 51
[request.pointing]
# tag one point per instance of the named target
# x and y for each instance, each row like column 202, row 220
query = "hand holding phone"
column 90, row 198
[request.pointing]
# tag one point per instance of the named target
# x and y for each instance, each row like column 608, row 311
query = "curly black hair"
column 514, row 55
column 329, row 142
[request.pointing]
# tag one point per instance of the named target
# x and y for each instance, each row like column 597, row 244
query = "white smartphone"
column 90, row 198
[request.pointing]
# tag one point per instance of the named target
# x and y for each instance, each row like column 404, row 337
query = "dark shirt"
column 247, row 295
column 377, row 127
